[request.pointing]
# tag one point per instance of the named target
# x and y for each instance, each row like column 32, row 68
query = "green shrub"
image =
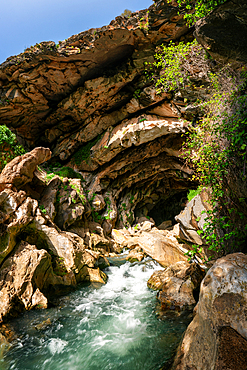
column 192, row 193
column 217, row 150
column 9, row 147
column 174, row 65
column 198, row 9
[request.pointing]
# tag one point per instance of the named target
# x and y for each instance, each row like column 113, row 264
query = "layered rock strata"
column 89, row 101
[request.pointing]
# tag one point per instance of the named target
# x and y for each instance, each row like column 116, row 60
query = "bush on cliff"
column 197, row 9
column 9, row 147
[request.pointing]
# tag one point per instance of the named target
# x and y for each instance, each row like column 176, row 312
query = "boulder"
column 177, row 285
column 20, row 170
column 24, row 276
column 217, row 336
column 161, row 245
column 135, row 255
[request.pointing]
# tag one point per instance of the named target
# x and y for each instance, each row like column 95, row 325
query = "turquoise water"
column 113, row 326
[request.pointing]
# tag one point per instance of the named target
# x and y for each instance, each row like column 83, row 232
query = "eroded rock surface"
column 38, row 261
column 177, row 285
column 161, row 245
column 220, row 320
column 88, row 101
column 221, row 32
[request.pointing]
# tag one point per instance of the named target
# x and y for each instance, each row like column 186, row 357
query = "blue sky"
column 25, row 22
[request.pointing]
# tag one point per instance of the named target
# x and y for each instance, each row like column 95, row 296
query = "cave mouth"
column 166, row 209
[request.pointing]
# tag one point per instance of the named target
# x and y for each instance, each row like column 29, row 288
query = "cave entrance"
column 167, row 209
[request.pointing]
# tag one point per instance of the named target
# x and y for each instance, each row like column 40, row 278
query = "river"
column 114, row 326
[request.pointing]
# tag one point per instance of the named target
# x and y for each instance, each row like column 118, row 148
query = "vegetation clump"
column 9, row 147
column 197, row 9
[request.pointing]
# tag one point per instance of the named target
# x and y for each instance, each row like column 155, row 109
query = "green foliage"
column 68, row 172
column 217, row 150
column 42, row 208
column 9, row 147
column 62, row 172
column 193, row 252
column 83, row 153
column 192, row 193
column 144, row 22
column 81, row 196
column 174, row 65
column 217, row 146
column 198, row 9
column 137, row 93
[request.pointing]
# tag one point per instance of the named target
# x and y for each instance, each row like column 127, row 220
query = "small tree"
column 127, row 13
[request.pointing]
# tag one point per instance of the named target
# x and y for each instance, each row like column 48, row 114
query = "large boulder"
column 217, row 336
column 161, row 245
column 20, row 170
column 177, row 285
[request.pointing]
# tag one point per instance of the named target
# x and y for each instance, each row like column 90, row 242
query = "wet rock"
column 135, row 255
column 177, row 285
column 99, row 243
column 217, row 336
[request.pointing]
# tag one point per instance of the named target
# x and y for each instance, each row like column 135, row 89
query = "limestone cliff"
column 88, row 100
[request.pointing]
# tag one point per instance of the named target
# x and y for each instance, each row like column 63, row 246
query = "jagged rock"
column 22, row 274
column 81, row 75
column 135, row 255
column 177, row 284
column 19, row 218
column 217, row 336
column 134, row 132
column 98, row 203
column 21, row 169
column 37, row 260
column 99, row 243
column 221, row 32
column 193, row 217
column 164, row 248
column 89, row 102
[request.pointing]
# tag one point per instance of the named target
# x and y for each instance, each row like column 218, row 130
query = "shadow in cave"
column 167, row 209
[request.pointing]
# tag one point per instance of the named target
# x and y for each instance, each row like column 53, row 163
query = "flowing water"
column 113, row 326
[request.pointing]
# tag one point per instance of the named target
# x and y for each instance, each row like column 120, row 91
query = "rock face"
column 221, row 32
column 88, row 101
column 38, row 261
column 217, row 336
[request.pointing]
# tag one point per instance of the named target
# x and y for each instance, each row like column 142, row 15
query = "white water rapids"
column 113, row 326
